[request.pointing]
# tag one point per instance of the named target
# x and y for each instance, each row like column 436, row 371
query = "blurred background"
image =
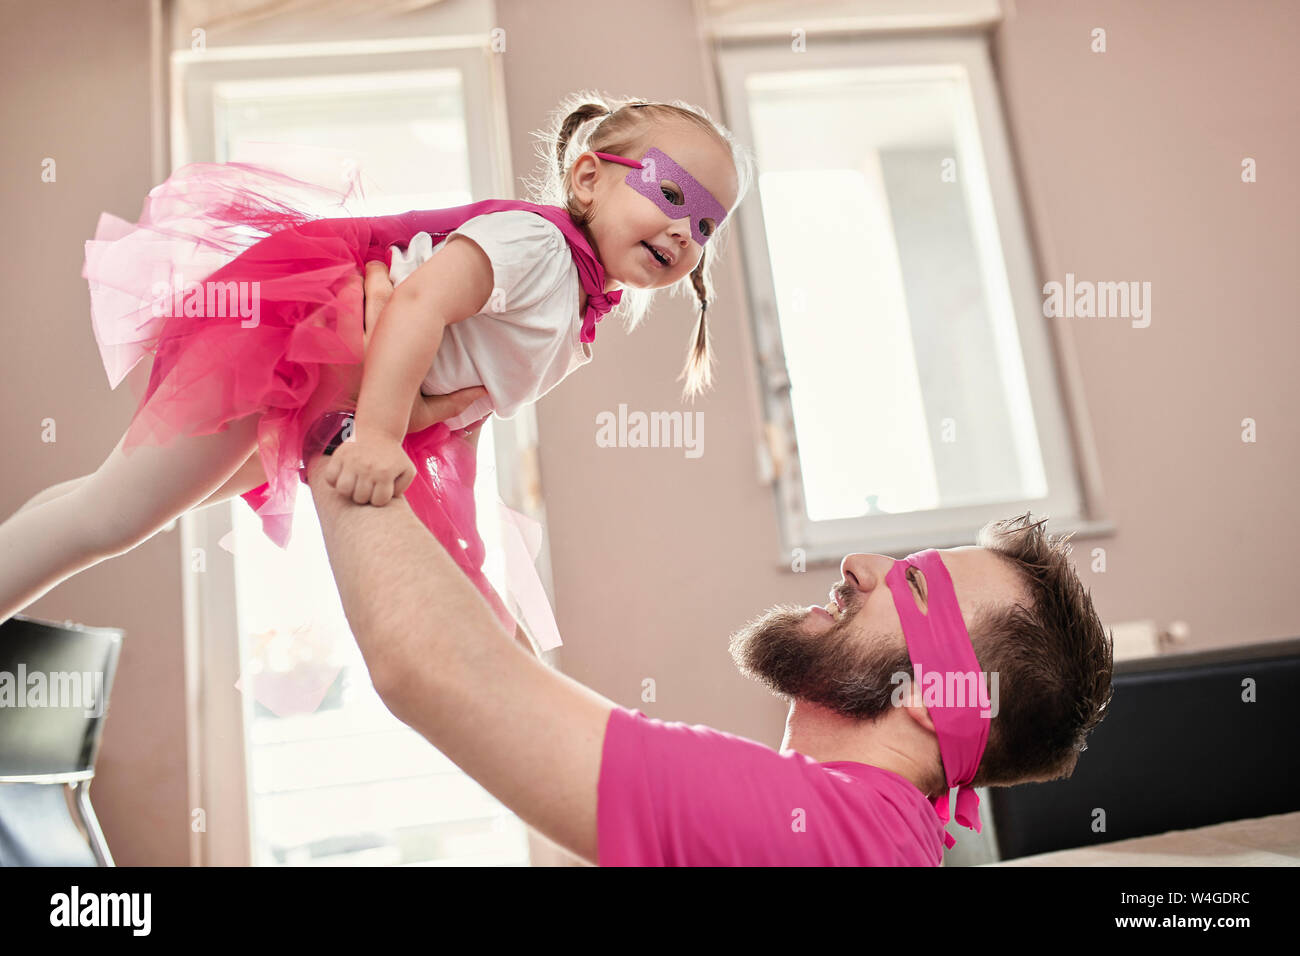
column 889, row 376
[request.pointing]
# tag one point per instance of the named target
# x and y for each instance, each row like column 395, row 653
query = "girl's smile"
column 654, row 257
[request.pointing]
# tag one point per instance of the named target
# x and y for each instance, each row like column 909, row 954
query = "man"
column 854, row 777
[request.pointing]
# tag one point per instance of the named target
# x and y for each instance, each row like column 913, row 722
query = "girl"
column 258, row 328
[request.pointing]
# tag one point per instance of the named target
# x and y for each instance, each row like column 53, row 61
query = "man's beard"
column 847, row 673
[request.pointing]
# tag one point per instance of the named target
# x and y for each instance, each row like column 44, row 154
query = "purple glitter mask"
column 656, row 172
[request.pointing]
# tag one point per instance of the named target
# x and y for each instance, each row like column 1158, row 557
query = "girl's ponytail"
column 698, row 371
column 568, row 127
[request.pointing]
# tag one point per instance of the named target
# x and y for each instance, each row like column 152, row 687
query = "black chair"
column 52, row 715
column 1178, row 749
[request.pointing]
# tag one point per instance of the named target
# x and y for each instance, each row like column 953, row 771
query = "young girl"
column 258, row 328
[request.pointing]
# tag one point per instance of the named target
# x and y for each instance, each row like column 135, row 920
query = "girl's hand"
column 371, row 471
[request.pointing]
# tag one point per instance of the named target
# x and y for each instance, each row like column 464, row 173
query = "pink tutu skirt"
column 243, row 283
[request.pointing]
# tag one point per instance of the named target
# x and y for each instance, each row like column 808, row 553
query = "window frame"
column 219, row 769
column 1011, row 279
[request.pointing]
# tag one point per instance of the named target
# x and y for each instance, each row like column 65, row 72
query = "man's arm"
column 530, row 736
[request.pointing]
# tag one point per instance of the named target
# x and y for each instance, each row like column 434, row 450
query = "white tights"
column 130, row 498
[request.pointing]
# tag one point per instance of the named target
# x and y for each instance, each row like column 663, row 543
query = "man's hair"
column 1053, row 659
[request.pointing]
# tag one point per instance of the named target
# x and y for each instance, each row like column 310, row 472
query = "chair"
column 55, row 682
column 1180, row 748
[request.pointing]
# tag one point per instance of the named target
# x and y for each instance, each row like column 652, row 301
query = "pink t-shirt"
column 673, row 794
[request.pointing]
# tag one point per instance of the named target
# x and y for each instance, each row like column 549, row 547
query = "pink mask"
column 938, row 644
column 656, row 168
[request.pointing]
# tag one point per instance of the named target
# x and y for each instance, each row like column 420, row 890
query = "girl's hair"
column 625, row 127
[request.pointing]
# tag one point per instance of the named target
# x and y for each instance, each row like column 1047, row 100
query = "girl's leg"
column 127, row 501
column 54, row 491
column 249, row 476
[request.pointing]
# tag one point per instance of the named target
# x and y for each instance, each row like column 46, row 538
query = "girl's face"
column 624, row 222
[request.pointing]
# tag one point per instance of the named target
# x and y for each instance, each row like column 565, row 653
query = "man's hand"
column 431, row 409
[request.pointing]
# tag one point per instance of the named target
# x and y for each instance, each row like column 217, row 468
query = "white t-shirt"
column 525, row 341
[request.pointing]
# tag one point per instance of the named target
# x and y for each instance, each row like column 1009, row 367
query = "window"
column 332, row 777
column 908, row 381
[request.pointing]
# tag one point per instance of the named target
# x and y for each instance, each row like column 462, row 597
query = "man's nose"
column 864, row 572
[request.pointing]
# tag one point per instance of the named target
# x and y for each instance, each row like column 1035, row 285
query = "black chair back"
column 1179, row 748
column 55, row 685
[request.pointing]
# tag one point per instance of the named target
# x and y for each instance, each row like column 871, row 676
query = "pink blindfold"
column 938, row 644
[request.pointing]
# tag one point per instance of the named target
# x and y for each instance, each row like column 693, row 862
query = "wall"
column 1131, row 165
column 77, row 90
column 656, row 557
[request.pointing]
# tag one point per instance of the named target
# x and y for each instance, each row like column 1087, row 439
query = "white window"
column 909, row 383
column 331, row 776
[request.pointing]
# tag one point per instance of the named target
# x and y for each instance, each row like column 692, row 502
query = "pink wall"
column 1131, row 161
column 1132, row 166
column 656, row 557
column 77, row 90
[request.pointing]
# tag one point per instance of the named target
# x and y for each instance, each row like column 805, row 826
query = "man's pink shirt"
column 672, row 794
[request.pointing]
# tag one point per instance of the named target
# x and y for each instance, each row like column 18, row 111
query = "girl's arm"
column 371, row 467
column 426, row 410
column 452, row 286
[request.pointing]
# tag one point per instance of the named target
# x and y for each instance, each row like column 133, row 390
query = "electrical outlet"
column 1135, row 639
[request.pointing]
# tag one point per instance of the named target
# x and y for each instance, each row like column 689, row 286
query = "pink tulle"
column 287, row 346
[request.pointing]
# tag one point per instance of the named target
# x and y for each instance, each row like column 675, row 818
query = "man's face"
column 842, row 656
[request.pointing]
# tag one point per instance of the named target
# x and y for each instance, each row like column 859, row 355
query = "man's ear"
column 914, row 708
